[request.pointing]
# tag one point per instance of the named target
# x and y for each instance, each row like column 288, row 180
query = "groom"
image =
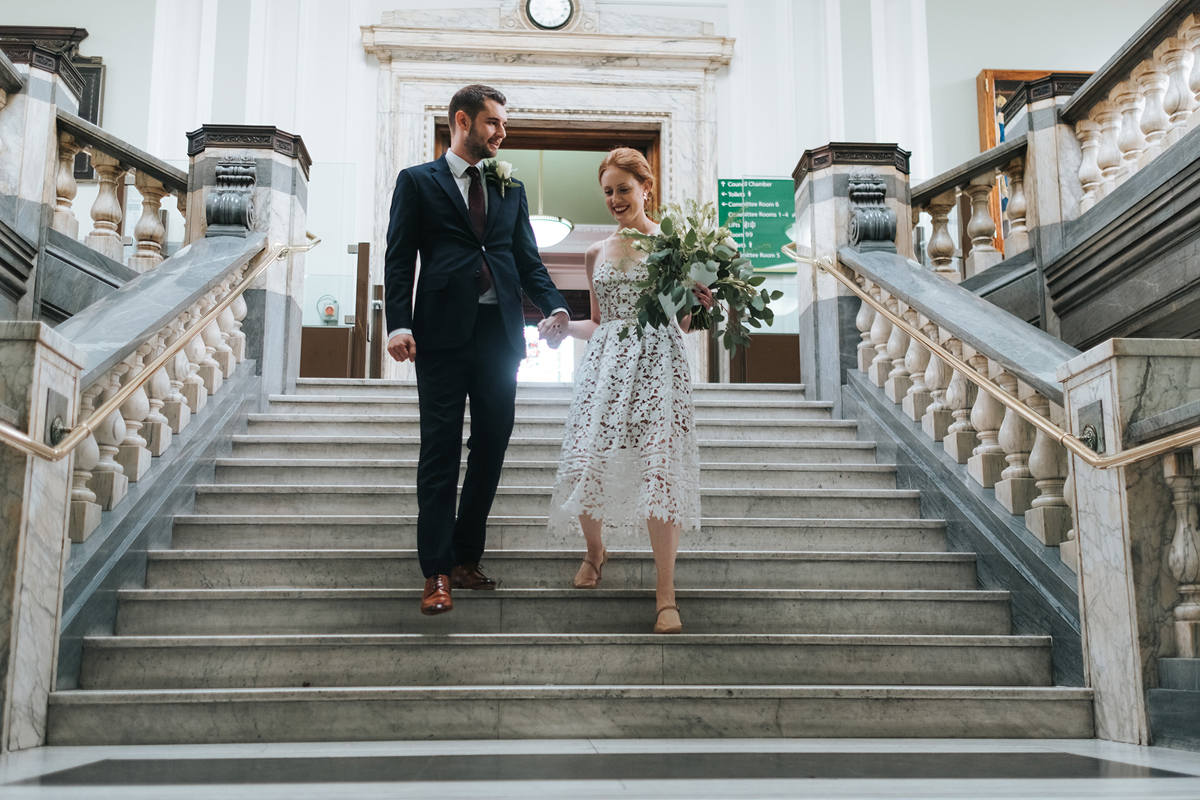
column 464, row 329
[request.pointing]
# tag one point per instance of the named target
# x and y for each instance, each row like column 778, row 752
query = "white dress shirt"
column 458, row 168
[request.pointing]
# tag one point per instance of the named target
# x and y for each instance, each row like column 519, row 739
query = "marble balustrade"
column 114, row 168
column 1025, row 467
column 1142, row 115
column 124, row 446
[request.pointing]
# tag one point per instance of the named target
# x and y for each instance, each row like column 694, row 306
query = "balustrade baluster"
column 108, row 478
column 1130, row 141
column 106, row 211
column 149, row 232
column 1017, row 240
column 937, row 418
column 1191, row 33
column 65, row 187
column 134, row 455
column 1016, row 488
column 1151, row 78
column 863, row 321
column 916, row 402
column 210, row 337
column 1108, row 158
column 960, row 440
column 157, row 428
column 224, row 325
column 898, row 380
column 941, row 243
column 194, row 388
column 1178, row 102
column 881, row 332
column 1183, row 557
column 1090, row 176
column 176, row 408
column 981, row 227
column 240, row 310
column 85, row 510
column 1049, row 517
column 181, row 204
column 987, row 415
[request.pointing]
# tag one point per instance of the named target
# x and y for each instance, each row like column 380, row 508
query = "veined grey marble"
column 109, row 330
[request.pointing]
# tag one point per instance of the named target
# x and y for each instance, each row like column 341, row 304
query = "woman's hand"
column 704, row 295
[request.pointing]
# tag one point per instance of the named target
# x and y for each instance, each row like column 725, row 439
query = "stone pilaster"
column 221, row 156
column 1125, row 522
column 39, row 376
column 829, row 337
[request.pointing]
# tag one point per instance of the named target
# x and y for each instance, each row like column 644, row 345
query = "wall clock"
column 549, row 14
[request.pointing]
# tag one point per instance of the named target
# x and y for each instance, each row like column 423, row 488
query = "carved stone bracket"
column 229, row 208
column 872, row 223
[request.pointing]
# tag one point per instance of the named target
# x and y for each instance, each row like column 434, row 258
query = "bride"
column 630, row 453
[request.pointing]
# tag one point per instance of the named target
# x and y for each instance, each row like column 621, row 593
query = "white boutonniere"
column 499, row 172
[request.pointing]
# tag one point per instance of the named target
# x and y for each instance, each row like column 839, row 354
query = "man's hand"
column 403, row 347
column 554, row 329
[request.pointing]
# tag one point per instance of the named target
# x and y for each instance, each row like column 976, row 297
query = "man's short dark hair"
column 472, row 100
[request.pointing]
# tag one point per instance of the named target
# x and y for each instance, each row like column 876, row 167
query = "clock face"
column 549, row 14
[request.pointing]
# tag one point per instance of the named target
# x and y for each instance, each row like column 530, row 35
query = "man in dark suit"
column 464, row 329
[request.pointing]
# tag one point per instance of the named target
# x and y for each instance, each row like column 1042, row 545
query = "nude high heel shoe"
column 591, row 583
column 667, row 627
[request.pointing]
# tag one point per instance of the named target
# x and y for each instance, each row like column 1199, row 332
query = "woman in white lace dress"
column 630, row 455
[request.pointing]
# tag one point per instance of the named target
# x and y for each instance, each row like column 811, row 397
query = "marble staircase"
column 816, row 601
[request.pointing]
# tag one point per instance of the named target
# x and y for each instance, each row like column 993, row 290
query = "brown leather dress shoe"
column 437, row 596
column 469, row 576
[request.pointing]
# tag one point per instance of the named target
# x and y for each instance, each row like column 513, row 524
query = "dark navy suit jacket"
column 430, row 218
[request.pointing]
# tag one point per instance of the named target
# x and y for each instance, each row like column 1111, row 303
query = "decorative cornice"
column 526, row 47
column 849, row 153
column 1056, row 84
column 38, row 57
column 250, row 137
column 54, row 39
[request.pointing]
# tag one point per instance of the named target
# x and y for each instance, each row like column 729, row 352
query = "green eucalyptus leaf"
column 775, row 295
column 757, row 280
column 667, row 226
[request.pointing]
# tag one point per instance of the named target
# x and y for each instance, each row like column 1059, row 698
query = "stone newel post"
column 825, row 215
column 39, row 376
column 1125, row 522
column 224, row 158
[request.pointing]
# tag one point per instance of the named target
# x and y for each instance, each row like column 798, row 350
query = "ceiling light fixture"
column 548, row 230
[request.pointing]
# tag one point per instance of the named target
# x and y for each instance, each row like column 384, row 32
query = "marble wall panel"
column 33, row 529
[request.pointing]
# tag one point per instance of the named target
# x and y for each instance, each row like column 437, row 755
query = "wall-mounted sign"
column 759, row 212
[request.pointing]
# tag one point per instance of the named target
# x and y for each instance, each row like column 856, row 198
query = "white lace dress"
column 630, row 449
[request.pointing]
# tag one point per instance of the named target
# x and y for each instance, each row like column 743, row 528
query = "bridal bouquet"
column 689, row 249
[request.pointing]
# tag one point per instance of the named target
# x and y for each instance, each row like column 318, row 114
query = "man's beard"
column 476, row 145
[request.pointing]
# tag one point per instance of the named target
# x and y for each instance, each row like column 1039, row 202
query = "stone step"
column 304, row 446
column 403, row 472
column 251, row 662
column 544, row 407
column 632, row 712
column 745, row 431
column 224, row 612
column 303, row 532
column 724, row 392
column 549, row 569
column 529, row 501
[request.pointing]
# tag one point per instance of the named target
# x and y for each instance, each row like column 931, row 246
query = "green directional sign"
column 759, row 212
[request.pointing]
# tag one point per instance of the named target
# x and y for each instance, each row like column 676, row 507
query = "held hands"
column 402, row 347
column 553, row 329
column 704, row 295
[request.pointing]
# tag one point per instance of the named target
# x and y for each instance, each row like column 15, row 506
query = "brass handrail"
column 73, row 437
column 1074, row 444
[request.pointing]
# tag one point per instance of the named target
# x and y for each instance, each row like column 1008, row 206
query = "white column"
column 937, row 418
column 1178, row 102
column 981, row 227
column 863, row 321
column 85, row 511
column 941, row 243
column 108, row 478
column 134, row 455
column 149, row 233
column 987, row 414
column 881, row 331
column 1151, row 78
column 1049, row 516
column 1016, row 488
column 960, row 440
column 1090, row 176
column 1017, row 240
column 65, row 187
column 1183, row 557
column 898, row 380
column 1130, row 140
column 175, row 408
column 1108, row 158
column 917, row 401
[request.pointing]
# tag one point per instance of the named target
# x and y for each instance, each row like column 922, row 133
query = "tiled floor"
column 662, row 770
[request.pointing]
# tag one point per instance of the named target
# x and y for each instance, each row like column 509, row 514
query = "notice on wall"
column 759, row 212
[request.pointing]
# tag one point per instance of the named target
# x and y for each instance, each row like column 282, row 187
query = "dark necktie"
column 475, row 202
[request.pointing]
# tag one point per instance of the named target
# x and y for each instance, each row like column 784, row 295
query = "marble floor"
column 659, row 769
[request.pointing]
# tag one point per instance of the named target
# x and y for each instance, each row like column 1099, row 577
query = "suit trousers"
column 483, row 369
